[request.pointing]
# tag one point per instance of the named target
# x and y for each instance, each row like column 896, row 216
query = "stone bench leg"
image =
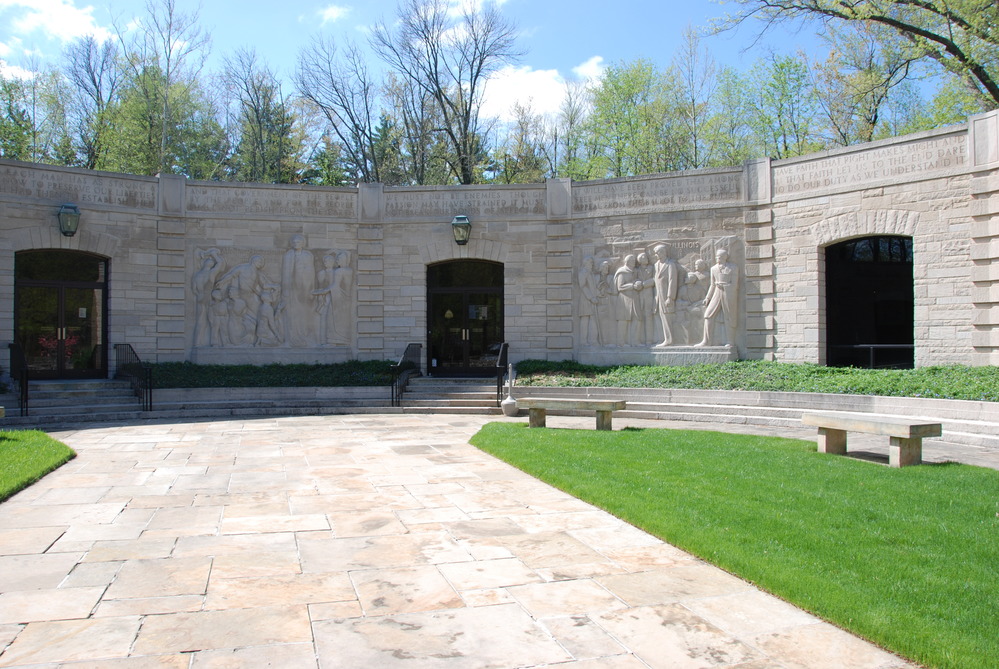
column 832, row 441
column 903, row 452
column 604, row 420
column 536, row 417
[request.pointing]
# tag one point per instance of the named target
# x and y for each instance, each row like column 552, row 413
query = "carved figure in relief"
column 267, row 332
column 721, row 303
column 298, row 280
column 586, row 278
column 627, row 287
column 246, row 281
column 202, row 285
column 218, row 316
column 667, row 280
column 606, row 302
column 646, row 300
column 690, row 300
column 325, row 297
column 240, row 321
column 343, row 282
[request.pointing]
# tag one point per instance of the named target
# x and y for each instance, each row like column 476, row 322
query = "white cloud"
column 58, row 19
column 543, row 90
column 14, row 72
column 591, row 70
column 333, row 13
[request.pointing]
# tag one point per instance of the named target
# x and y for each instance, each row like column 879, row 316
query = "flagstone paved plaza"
column 360, row 541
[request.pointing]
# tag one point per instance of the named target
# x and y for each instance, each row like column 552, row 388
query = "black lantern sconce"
column 69, row 219
column 462, row 228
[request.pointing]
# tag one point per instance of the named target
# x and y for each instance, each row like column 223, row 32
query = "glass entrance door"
column 465, row 318
column 60, row 323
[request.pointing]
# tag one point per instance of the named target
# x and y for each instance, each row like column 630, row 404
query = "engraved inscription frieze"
column 656, row 194
column 895, row 162
column 82, row 188
column 477, row 202
column 272, row 201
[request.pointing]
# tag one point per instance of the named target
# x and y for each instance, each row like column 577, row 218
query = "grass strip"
column 26, row 456
column 907, row 558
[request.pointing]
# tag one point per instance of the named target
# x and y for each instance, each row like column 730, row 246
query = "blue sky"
column 562, row 39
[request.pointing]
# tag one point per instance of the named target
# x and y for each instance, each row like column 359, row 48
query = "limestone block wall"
column 170, row 242
column 122, row 223
column 915, row 186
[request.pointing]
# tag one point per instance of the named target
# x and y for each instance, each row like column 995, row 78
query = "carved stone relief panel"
column 664, row 294
column 295, row 298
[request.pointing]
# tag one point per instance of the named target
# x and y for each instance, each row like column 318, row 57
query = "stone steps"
column 967, row 423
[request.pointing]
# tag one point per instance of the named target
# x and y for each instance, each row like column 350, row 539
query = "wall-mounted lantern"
column 462, row 228
column 69, row 219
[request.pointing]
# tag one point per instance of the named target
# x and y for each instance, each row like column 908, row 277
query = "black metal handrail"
column 130, row 367
column 409, row 365
column 501, row 364
column 19, row 373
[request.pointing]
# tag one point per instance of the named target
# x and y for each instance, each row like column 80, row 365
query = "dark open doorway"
column 464, row 317
column 60, row 313
column 869, row 303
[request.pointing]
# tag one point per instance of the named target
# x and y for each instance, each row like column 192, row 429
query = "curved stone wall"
column 672, row 268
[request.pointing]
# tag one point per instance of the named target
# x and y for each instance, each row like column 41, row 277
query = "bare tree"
column 265, row 149
column 450, row 59
column 695, row 72
column 95, row 72
column 340, row 86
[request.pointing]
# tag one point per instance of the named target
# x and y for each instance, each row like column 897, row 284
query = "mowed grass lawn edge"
column 907, row 558
column 26, row 456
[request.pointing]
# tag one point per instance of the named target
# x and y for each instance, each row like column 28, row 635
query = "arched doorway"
column 464, row 317
column 60, row 313
column 869, row 303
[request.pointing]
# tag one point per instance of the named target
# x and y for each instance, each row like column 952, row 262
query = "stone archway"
column 869, row 302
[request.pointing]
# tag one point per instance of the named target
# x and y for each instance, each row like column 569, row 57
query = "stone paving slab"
column 360, row 541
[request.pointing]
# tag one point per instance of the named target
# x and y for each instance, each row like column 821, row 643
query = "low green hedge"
column 949, row 382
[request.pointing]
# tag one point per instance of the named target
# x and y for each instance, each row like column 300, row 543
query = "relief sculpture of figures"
column 298, row 280
column 660, row 296
column 721, row 303
column 244, row 307
column 202, row 286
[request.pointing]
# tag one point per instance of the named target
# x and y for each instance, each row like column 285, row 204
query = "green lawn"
column 26, row 456
column 908, row 558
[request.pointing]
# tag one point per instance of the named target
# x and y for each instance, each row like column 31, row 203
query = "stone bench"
column 905, row 436
column 538, row 406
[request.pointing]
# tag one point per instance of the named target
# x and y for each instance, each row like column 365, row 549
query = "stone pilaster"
column 983, row 141
column 370, row 291
column 171, row 333
column 761, row 327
